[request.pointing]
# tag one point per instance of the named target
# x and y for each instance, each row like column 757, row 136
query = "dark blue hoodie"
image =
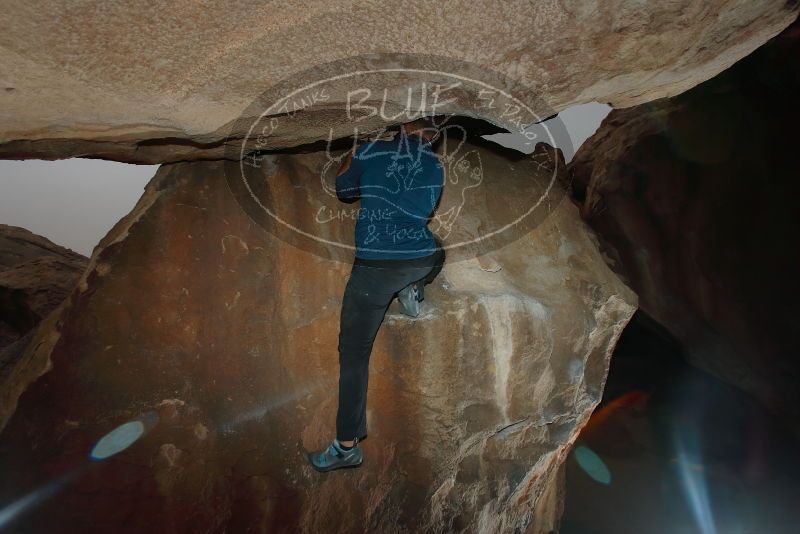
column 399, row 183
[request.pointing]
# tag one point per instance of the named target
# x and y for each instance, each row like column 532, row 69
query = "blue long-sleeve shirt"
column 399, row 183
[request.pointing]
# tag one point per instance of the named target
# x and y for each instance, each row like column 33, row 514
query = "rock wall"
column 36, row 275
column 164, row 83
column 695, row 200
column 221, row 339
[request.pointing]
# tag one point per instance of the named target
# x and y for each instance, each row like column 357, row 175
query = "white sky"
column 580, row 122
column 71, row 202
column 75, row 202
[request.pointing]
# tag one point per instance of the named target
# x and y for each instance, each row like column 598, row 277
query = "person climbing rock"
column 399, row 183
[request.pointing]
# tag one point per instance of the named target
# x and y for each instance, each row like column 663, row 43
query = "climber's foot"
column 335, row 457
column 409, row 300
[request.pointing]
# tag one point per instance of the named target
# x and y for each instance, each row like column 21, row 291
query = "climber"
column 399, row 183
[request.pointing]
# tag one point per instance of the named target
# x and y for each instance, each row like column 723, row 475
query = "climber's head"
column 425, row 127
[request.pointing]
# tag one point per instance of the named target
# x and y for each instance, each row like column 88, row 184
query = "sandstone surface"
column 168, row 81
column 221, row 337
column 36, row 275
column 695, row 200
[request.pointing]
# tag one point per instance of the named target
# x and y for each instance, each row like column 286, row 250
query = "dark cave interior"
column 672, row 448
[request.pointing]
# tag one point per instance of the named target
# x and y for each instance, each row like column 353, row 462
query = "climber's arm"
column 349, row 177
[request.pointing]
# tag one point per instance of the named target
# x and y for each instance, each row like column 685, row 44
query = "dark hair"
column 430, row 123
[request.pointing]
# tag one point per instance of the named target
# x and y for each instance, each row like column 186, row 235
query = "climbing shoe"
column 409, row 298
column 336, row 457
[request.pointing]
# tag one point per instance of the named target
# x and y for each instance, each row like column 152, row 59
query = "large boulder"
column 217, row 339
column 18, row 246
column 695, row 198
column 35, row 276
column 167, row 82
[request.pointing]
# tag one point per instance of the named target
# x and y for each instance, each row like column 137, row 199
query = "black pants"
column 370, row 289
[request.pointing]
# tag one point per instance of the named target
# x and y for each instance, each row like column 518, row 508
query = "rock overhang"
column 160, row 86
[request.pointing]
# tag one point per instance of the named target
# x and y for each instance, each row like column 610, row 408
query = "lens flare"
column 592, row 464
column 123, row 437
column 258, row 412
column 117, row 440
column 628, row 401
column 33, row 499
column 690, row 470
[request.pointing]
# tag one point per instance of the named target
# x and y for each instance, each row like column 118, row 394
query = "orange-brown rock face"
column 695, row 198
column 224, row 336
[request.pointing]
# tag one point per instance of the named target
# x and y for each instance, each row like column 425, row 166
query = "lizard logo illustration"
column 462, row 172
column 337, row 106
